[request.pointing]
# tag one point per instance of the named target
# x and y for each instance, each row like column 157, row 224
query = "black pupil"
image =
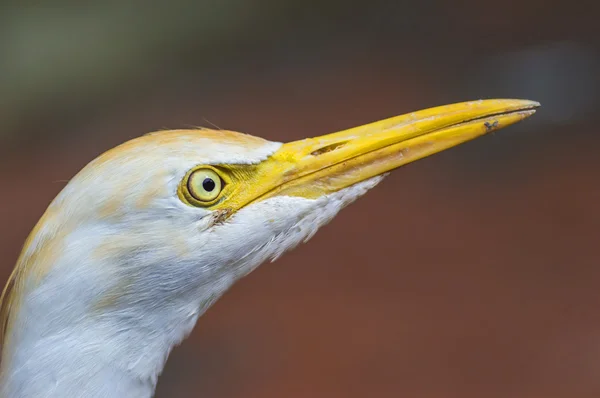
column 208, row 184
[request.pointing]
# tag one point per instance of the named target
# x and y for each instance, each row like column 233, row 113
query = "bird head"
column 149, row 234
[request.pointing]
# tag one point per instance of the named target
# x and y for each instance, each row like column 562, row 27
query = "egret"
column 151, row 233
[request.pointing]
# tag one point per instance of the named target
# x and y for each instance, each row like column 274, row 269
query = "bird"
column 148, row 235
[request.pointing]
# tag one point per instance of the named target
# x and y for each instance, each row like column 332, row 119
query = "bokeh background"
column 473, row 273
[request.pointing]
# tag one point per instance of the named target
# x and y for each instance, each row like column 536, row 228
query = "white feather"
column 127, row 287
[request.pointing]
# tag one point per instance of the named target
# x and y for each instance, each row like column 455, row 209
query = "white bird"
column 151, row 233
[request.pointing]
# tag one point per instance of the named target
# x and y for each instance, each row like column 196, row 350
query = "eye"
column 204, row 185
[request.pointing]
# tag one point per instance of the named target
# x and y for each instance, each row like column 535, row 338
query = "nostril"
column 328, row 148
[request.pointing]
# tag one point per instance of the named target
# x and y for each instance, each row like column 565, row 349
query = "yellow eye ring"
column 204, row 185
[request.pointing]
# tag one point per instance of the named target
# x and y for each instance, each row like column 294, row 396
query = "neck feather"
column 58, row 350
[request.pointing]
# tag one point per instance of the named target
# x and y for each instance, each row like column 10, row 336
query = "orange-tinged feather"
column 34, row 263
column 48, row 234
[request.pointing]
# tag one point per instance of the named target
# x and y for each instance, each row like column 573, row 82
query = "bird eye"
column 204, row 185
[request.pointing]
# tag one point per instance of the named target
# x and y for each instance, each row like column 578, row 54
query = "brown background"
column 473, row 273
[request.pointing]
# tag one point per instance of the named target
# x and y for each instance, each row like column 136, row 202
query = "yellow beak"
column 318, row 166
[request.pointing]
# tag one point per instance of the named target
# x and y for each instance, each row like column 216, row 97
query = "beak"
column 318, row 166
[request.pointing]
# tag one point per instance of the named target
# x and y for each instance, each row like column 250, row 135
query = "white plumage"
column 121, row 265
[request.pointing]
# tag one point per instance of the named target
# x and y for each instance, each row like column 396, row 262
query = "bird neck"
column 84, row 360
column 75, row 362
column 63, row 351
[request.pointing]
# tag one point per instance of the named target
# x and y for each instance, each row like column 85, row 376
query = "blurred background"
column 473, row 273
